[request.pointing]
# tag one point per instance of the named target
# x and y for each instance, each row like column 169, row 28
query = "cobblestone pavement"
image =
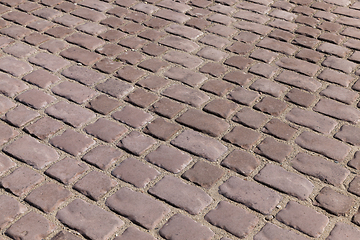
column 179, row 120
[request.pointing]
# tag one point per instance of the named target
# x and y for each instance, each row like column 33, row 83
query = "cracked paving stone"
column 106, row 130
column 44, row 127
column 132, row 116
column 203, row 174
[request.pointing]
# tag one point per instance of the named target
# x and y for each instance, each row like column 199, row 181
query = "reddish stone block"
column 72, row 142
column 44, row 127
column 49, row 61
column 103, row 104
column 81, row 55
column 298, row 80
column 115, row 88
column 31, row 226
column 233, row 219
column 187, row 197
column 199, row 145
column 241, row 162
column 92, row 221
column 181, row 227
column 162, row 129
column 71, row 114
column 203, row 174
column 303, row 218
column 279, row 129
column 5, row 164
column 135, row 172
column 75, row 92
column 271, row 106
column 138, row 207
column 20, row 116
column 242, row 137
column 271, row 231
column 32, row 152
column 35, row 98
column 334, row 202
column 186, row 95
column 166, row 107
column 14, row 67
column 21, row 181
column 102, row 156
column 243, row 96
column 132, row 116
column 95, row 185
column 136, row 143
column 10, row 209
column 251, row 194
column 288, row 182
column 67, row 170
column 141, row 98
column 183, row 59
column 48, row 197
column 274, row 150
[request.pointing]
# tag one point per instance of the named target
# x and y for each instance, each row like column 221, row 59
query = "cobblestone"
column 249, row 105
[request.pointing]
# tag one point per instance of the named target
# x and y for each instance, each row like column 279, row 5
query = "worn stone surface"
column 252, row 104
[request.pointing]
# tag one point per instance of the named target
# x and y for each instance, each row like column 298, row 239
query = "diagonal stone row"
column 189, row 119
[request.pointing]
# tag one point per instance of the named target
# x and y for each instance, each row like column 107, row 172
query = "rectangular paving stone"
column 10, row 86
column 67, row 170
column 89, row 14
column 181, row 227
column 35, row 225
column 334, row 201
column 138, row 207
column 81, row 55
column 199, row 145
column 326, row 146
column 73, row 91
column 338, row 110
column 20, row 116
column 136, row 143
column 5, row 164
column 186, row 95
column 90, row 220
column 184, row 196
column 9, row 210
column 303, row 218
column 203, row 122
column 288, row 182
column 135, row 172
column 71, row 114
column 298, row 80
column 48, row 197
column 250, row 194
column 320, row 168
column 49, row 61
column 169, row 158
column 274, row 150
column 72, row 142
column 341, row 230
column 183, row 59
column 132, row 116
column 32, row 152
column 299, row 66
column 273, row 232
column 172, row 16
column 179, row 43
column 84, row 40
column 277, row 46
column 339, row 64
column 35, row 98
column 41, row 78
column 233, row 219
column 333, row 76
column 106, row 130
column 242, row 137
column 44, row 127
column 14, row 66
column 312, row 120
column 95, row 185
column 184, row 31
column 21, row 181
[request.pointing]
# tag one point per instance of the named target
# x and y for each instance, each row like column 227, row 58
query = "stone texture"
column 250, row 194
column 135, row 172
column 303, row 218
column 32, row 152
column 233, row 219
column 67, row 170
column 334, row 202
column 9, row 209
column 273, row 232
column 48, row 197
column 285, row 181
column 184, row 196
column 31, row 226
column 182, row 227
column 199, row 145
column 138, row 207
column 90, row 220
column 136, row 143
